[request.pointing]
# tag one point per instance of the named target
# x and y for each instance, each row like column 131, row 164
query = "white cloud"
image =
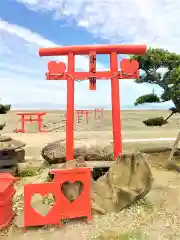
column 23, row 80
column 22, row 71
column 153, row 22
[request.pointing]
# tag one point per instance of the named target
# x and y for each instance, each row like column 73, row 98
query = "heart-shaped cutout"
column 56, row 67
column 42, row 204
column 129, row 66
column 72, row 190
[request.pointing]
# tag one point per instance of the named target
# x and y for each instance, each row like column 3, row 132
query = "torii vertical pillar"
column 115, row 100
column 129, row 69
column 70, row 110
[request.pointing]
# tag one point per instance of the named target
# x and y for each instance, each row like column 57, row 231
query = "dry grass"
column 131, row 122
column 131, row 235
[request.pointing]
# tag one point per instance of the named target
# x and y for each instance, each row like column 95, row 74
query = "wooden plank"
column 91, row 164
column 99, row 164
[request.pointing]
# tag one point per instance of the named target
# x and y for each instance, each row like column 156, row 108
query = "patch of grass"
column 48, row 199
column 132, row 235
column 29, row 172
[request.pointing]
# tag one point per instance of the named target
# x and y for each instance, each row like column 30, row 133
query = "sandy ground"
column 99, row 130
column 159, row 216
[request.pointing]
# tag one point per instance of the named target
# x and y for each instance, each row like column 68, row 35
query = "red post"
column 22, row 124
column 98, row 110
column 78, row 112
column 86, row 112
column 116, row 120
column 95, row 110
column 39, row 121
column 70, row 111
column 102, row 111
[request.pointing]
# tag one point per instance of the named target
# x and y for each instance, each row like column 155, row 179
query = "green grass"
column 132, row 235
column 29, row 172
column 48, row 199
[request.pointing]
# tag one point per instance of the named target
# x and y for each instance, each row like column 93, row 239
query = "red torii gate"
column 129, row 69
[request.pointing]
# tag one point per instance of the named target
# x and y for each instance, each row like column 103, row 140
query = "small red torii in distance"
column 129, row 70
column 97, row 110
column 27, row 117
column 82, row 112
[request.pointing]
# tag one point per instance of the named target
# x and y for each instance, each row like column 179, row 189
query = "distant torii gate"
column 129, row 69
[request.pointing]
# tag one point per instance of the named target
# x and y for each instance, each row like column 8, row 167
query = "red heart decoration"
column 56, row 67
column 129, row 66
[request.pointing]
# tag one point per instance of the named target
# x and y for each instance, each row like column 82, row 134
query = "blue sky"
column 26, row 25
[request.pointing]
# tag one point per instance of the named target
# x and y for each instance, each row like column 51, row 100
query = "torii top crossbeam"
column 99, row 49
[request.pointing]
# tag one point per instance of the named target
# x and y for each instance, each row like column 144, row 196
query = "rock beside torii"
column 127, row 180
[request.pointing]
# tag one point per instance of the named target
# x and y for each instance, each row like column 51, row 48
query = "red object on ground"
column 7, row 192
column 38, row 119
column 97, row 110
column 81, row 207
column 62, row 208
column 31, row 216
column 129, row 69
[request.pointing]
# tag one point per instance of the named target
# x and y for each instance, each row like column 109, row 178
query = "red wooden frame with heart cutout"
column 62, row 208
column 31, row 216
column 129, row 70
column 81, row 207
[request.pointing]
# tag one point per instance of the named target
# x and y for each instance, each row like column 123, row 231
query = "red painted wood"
column 62, row 208
column 31, row 216
column 115, row 99
column 7, row 192
column 82, row 112
column 81, row 207
column 99, row 49
column 97, row 110
column 106, row 75
column 92, row 70
column 27, row 117
column 70, row 110
column 128, row 70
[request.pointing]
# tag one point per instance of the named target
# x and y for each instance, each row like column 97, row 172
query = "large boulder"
column 127, row 180
column 55, row 152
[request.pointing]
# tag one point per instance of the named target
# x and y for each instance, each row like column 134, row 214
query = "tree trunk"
column 176, row 102
column 174, row 148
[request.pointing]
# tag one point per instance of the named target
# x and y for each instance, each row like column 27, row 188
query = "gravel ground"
column 158, row 215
